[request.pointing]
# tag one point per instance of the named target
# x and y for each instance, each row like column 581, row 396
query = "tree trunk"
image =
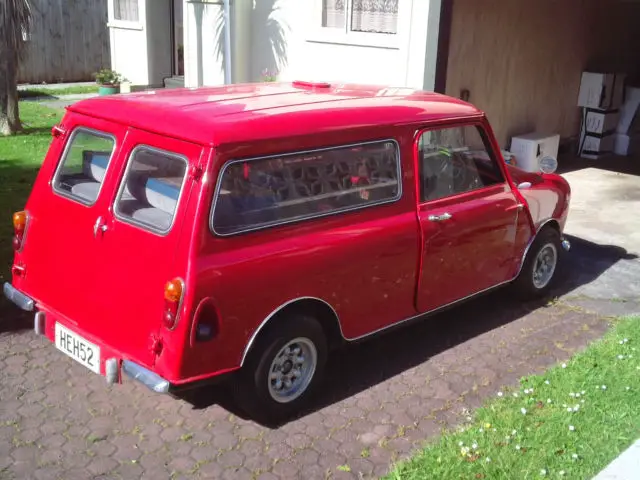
column 4, row 99
column 13, row 111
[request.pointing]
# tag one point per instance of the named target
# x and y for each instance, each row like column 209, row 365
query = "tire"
column 258, row 394
column 527, row 286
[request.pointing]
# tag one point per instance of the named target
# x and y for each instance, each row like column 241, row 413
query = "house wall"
column 69, row 41
column 287, row 37
column 141, row 51
column 129, row 46
column 522, row 61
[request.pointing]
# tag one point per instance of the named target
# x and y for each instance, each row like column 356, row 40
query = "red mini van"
column 182, row 235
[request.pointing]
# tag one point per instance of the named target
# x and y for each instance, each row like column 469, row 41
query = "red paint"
column 374, row 267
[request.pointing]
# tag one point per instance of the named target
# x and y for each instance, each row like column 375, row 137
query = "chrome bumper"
column 18, row 298
column 146, row 377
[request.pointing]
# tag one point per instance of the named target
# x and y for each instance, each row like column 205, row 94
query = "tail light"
column 173, row 293
column 19, row 229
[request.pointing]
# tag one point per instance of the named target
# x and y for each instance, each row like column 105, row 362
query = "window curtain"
column 125, row 10
column 376, row 16
column 334, row 13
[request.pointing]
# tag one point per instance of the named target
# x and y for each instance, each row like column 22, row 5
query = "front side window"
column 455, row 160
column 84, row 165
column 370, row 16
column 151, row 188
column 126, row 10
column 263, row 192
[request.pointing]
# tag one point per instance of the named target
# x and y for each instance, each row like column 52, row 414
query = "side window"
column 125, row 10
column 84, row 165
column 262, row 192
column 151, row 188
column 455, row 160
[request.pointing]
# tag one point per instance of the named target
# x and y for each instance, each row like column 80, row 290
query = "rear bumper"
column 151, row 380
column 114, row 363
column 23, row 301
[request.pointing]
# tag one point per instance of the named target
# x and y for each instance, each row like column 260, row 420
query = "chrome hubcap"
column 292, row 370
column 545, row 265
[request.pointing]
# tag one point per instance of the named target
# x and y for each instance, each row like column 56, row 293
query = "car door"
column 468, row 215
column 139, row 238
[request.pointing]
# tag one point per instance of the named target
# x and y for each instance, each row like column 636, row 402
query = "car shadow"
column 359, row 366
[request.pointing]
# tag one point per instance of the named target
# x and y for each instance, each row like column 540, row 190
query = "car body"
column 185, row 235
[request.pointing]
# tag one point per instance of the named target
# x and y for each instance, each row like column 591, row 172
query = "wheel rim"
column 545, row 265
column 292, row 369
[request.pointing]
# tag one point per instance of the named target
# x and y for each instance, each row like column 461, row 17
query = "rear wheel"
column 283, row 370
column 541, row 265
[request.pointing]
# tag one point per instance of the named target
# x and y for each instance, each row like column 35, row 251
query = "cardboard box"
column 530, row 148
column 626, row 144
column 601, row 90
column 595, row 146
column 600, row 121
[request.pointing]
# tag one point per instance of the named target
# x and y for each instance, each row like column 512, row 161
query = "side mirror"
column 548, row 164
column 524, row 185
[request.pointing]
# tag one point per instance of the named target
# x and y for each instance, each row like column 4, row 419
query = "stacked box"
column 627, row 141
column 600, row 96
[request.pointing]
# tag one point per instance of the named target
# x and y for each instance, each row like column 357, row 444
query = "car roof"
column 245, row 112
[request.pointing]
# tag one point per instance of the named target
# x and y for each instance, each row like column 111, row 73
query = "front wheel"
column 541, row 264
column 283, row 370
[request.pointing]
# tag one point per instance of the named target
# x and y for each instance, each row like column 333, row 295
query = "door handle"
column 99, row 226
column 440, row 218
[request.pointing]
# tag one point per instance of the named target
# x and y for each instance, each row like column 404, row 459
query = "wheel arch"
column 319, row 309
column 544, row 224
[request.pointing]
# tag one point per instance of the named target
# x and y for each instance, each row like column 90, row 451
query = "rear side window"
column 262, row 192
column 84, row 165
column 151, row 188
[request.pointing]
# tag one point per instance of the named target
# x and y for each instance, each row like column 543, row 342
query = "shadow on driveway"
column 362, row 365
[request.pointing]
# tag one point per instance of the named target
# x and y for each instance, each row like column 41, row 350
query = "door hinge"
column 196, row 172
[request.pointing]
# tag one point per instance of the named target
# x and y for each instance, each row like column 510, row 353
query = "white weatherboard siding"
column 203, row 43
column 129, row 46
column 141, row 50
column 288, row 37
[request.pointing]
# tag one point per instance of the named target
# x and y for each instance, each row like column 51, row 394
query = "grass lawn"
column 48, row 92
column 569, row 423
column 20, row 159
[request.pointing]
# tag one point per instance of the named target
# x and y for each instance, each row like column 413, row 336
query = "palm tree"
column 15, row 26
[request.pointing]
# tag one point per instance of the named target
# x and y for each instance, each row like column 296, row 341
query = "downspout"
column 227, row 42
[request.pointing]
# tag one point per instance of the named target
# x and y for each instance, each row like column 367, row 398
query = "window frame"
column 63, row 157
column 130, row 220
column 216, row 195
column 345, row 36
column 113, row 22
column 486, row 140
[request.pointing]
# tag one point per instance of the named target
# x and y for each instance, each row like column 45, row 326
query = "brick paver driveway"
column 382, row 398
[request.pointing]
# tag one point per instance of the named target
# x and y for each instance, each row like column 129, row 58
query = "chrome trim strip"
column 130, row 160
column 18, row 298
column 151, row 380
column 308, row 217
column 274, row 312
column 63, row 158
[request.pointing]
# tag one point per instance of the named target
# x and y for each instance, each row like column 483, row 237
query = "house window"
column 369, row 16
column 126, row 10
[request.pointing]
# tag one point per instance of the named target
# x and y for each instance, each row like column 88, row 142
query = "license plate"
column 78, row 348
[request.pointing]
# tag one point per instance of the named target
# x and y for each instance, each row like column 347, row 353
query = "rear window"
column 84, row 165
column 151, row 188
column 263, row 192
